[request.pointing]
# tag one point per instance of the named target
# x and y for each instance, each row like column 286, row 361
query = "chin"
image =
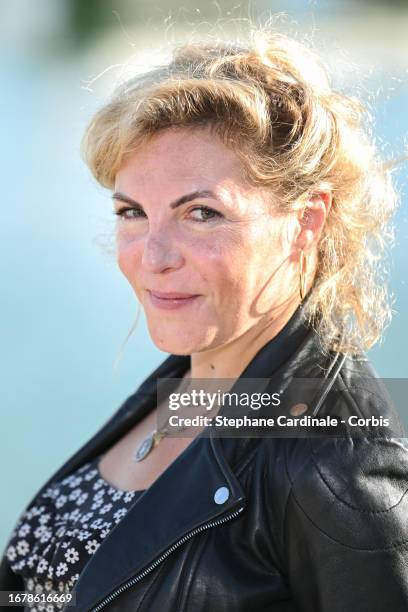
column 180, row 342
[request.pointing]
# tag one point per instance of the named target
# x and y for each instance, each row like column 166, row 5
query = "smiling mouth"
column 171, row 300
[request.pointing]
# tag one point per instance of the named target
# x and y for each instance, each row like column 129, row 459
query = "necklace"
column 152, row 440
column 148, row 444
column 155, row 436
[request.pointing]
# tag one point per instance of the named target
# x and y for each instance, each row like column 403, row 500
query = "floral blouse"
column 59, row 532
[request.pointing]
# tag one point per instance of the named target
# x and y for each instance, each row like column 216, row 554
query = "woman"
column 251, row 212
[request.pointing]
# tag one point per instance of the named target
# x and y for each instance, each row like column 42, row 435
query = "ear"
column 311, row 219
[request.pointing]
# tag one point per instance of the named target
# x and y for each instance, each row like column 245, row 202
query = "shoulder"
column 352, row 488
column 359, row 391
column 336, row 507
column 342, row 535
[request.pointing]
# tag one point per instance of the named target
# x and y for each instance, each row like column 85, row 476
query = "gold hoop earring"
column 302, row 275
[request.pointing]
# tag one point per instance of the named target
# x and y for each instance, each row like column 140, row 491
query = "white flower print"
column 40, row 531
column 61, row 569
column 23, row 547
column 91, row 546
column 55, row 491
column 44, row 518
column 74, row 494
column 61, row 500
column 83, row 535
column 86, row 517
column 72, row 555
column 29, row 515
column 73, row 580
column 81, row 499
column 42, row 566
column 24, row 529
column 75, row 482
column 129, row 495
column 31, row 560
column 97, row 503
column 37, row 510
column 119, row 514
column 97, row 523
column 19, row 565
column 46, row 536
column 91, row 474
column 69, row 525
column 75, row 514
column 98, row 484
column 67, row 480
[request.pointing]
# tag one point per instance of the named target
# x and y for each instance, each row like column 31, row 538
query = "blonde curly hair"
column 272, row 101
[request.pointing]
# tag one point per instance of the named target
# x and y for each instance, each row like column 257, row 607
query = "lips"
column 171, row 300
column 171, row 295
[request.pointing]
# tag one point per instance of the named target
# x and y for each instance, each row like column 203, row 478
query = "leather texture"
column 311, row 524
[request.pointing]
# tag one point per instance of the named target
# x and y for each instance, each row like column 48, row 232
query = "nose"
column 161, row 253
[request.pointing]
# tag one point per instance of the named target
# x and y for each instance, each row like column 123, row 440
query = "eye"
column 129, row 213
column 208, row 214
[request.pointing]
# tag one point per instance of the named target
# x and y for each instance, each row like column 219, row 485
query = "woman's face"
column 188, row 224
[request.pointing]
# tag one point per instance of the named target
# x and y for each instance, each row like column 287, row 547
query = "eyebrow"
column 204, row 193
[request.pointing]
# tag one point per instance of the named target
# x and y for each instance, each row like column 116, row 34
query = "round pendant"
column 145, row 447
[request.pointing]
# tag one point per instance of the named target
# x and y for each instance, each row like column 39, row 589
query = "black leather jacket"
column 310, row 524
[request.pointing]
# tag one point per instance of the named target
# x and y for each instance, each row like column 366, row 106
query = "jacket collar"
column 167, row 510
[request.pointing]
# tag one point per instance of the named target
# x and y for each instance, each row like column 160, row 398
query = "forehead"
column 177, row 162
column 182, row 155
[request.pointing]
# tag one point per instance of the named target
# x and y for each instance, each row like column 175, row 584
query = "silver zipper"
column 157, row 562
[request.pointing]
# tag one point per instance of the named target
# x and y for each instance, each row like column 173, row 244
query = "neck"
column 231, row 359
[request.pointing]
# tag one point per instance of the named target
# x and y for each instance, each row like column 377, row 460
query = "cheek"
column 128, row 258
column 225, row 264
column 220, row 256
column 250, row 265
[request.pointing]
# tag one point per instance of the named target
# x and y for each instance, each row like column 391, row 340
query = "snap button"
column 221, row 495
column 298, row 409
